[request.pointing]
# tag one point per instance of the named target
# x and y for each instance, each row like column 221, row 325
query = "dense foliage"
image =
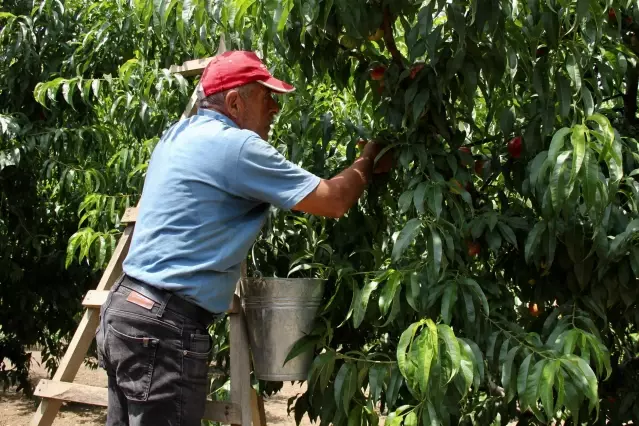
column 491, row 276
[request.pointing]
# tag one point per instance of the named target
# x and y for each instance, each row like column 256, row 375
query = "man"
column 209, row 185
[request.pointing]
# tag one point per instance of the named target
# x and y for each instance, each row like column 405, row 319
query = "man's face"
column 259, row 111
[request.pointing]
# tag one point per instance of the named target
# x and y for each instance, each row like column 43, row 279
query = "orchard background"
column 492, row 276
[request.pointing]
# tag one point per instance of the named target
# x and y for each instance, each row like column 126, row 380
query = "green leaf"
column 282, row 12
column 395, row 307
column 74, row 243
column 615, row 159
column 448, row 301
column 477, row 228
column 467, row 366
column 419, row 196
column 414, row 291
column 376, row 377
column 583, row 376
column 578, row 139
column 68, row 90
column 546, row 387
column 426, row 353
column 558, row 182
column 532, row 383
column 506, row 373
column 522, row 382
column 354, row 301
column 435, row 203
column 242, row 8
column 321, row 369
column 557, row 143
column 345, row 385
column 402, row 348
column 470, row 306
column 361, row 304
column 507, row 233
column 604, row 124
column 452, row 348
column 389, row 290
column 430, row 415
column 300, row 346
column 590, row 179
column 634, row 260
column 410, row 419
column 565, row 97
column 479, row 294
column 492, row 343
column 435, row 249
column 405, row 201
column 479, row 360
column 355, row 417
column 573, row 401
column 494, row 240
column 394, row 385
column 586, row 96
column 532, row 242
column 410, row 94
column 507, row 120
column 102, row 250
column 573, row 71
column 503, row 352
column 420, row 103
column 406, row 237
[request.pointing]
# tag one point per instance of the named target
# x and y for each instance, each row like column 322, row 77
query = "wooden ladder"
column 245, row 405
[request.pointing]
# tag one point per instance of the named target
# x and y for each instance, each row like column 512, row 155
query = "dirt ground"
column 17, row 410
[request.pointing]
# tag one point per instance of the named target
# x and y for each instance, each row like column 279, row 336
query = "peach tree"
column 492, row 276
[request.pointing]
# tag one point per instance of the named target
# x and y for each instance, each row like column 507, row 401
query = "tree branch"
column 390, row 40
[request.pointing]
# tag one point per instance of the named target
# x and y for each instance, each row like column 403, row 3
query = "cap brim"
column 277, row 85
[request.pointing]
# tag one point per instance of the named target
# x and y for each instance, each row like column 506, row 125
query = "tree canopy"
column 491, row 276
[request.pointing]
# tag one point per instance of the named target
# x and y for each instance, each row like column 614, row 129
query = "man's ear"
column 233, row 103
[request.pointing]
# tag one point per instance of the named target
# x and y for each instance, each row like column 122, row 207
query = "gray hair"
column 216, row 100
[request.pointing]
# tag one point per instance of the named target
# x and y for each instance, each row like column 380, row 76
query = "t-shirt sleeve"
column 262, row 173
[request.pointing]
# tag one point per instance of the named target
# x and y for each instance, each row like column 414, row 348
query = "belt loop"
column 118, row 282
column 163, row 305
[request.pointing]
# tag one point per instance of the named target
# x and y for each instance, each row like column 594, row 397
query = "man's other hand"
column 371, row 150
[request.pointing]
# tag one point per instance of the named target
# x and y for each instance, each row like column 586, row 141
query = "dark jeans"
column 156, row 359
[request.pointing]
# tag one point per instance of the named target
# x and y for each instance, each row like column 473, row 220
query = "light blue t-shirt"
column 206, row 196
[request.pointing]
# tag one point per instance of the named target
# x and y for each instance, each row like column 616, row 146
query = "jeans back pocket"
column 132, row 359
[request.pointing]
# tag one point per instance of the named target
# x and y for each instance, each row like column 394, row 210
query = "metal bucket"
column 279, row 311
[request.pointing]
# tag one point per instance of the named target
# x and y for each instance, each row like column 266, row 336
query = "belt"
column 172, row 301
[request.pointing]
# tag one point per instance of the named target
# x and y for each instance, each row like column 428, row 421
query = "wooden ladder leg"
column 84, row 334
column 257, row 407
column 240, row 365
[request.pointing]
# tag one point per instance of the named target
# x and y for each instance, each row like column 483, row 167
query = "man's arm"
column 335, row 196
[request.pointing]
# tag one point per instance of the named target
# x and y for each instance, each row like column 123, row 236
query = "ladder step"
column 130, row 215
column 96, row 298
column 224, row 412
column 190, row 68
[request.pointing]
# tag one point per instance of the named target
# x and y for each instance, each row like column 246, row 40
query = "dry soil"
column 17, row 410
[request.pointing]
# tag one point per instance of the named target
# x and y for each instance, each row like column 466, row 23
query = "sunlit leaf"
column 406, row 237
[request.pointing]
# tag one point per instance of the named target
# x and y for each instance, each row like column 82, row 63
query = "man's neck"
column 222, row 110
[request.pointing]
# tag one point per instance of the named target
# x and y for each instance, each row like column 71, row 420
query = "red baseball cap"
column 235, row 68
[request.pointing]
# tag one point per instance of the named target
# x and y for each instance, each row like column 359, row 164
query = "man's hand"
column 371, row 150
column 334, row 197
